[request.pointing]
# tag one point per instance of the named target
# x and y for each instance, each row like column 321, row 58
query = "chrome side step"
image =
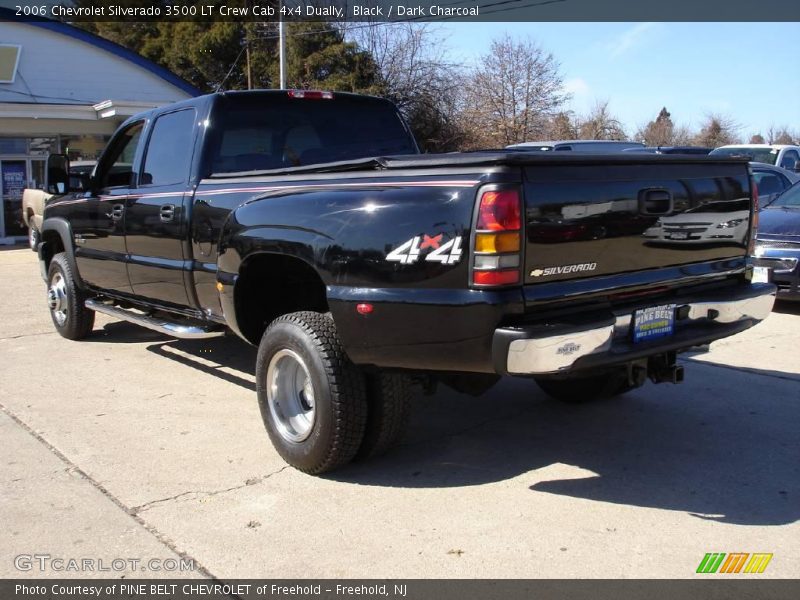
column 179, row 330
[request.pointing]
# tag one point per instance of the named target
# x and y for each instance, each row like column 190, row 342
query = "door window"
column 117, row 167
column 169, row 151
column 789, row 160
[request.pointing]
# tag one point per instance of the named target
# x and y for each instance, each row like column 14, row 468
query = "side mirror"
column 57, row 174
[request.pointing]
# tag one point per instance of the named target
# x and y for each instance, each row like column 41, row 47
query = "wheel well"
column 271, row 285
column 53, row 244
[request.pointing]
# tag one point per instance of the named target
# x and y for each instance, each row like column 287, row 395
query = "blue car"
column 778, row 243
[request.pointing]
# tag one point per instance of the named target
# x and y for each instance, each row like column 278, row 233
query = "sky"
column 747, row 71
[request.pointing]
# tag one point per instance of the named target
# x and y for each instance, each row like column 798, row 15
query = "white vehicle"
column 781, row 155
column 712, row 222
column 599, row 146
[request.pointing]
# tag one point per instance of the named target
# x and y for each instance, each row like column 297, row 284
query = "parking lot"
column 131, row 444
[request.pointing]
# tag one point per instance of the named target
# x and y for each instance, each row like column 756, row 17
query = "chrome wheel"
column 33, row 237
column 57, row 298
column 290, row 396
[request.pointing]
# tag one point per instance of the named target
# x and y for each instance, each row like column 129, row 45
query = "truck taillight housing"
column 496, row 251
column 754, row 223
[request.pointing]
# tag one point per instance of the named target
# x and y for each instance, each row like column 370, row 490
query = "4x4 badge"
column 410, row 251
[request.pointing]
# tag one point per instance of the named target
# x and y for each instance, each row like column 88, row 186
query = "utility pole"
column 282, row 49
column 247, row 50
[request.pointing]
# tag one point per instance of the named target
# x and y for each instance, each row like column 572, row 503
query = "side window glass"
column 117, row 168
column 789, row 160
column 768, row 183
column 169, row 151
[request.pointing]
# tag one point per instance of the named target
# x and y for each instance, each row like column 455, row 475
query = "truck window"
column 790, row 160
column 255, row 132
column 169, row 151
column 116, row 170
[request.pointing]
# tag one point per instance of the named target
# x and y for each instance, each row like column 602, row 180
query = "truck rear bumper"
column 546, row 348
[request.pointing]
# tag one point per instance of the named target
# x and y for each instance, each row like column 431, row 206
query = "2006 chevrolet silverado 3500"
column 308, row 224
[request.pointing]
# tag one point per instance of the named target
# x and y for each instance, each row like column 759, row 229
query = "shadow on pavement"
column 685, row 448
column 787, row 307
column 724, row 446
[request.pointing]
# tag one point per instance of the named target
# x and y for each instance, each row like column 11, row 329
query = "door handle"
column 167, row 213
column 117, row 211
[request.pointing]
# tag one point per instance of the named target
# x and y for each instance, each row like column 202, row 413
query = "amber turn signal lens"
column 497, row 242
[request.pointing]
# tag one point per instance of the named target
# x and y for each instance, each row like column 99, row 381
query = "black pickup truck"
column 309, row 224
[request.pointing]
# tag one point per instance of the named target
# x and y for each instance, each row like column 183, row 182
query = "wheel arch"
column 57, row 237
column 270, row 284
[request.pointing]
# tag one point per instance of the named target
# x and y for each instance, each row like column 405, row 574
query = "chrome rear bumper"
column 545, row 348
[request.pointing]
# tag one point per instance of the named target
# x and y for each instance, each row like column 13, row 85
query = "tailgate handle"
column 655, row 201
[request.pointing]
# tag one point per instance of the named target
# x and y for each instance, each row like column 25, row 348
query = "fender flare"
column 64, row 230
column 245, row 244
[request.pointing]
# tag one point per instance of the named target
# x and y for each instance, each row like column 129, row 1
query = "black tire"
column 66, row 301
column 337, row 394
column 388, row 410
column 586, row 389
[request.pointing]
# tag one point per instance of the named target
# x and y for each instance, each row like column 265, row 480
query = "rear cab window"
column 263, row 132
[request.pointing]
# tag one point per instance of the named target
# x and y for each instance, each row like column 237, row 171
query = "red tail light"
column 499, row 211
column 310, row 94
column 496, row 277
column 498, row 240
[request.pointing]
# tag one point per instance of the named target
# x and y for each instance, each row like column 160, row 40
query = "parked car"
column 781, row 155
column 771, row 181
column 33, row 200
column 597, row 146
column 671, row 149
column 355, row 272
column 777, row 248
column 726, row 221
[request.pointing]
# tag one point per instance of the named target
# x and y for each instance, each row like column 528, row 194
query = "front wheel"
column 33, row 237
column 585, row 389
column 312, row 398
column 66, row 301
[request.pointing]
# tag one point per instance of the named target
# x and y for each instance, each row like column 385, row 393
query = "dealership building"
column 65, row 90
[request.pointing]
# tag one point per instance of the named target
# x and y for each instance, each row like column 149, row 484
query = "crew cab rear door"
column 156, row 223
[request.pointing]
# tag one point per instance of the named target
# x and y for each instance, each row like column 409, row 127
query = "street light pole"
column 282, row 47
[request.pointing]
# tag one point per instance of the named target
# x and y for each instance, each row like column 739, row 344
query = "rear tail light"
column 310, row 94
column 754, row 222
column 496, row 256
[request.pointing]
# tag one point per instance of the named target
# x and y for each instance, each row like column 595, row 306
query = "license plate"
column 653, row 322
column 760, row 275
column 679, row 235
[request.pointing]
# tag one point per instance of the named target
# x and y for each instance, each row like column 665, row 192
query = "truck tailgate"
column 588, row 220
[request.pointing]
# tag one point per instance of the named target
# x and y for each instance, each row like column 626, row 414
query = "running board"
column 170, row 328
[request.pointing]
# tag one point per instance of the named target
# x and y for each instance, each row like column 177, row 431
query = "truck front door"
column 98, row 218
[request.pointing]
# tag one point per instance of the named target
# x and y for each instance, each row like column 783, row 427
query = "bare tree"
column 659, row 132
column 513, row 93
column 757, row 139
column 784, row 137
column 717, row 130
column 417, row 76
column 600, row 124
column 564, row 126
